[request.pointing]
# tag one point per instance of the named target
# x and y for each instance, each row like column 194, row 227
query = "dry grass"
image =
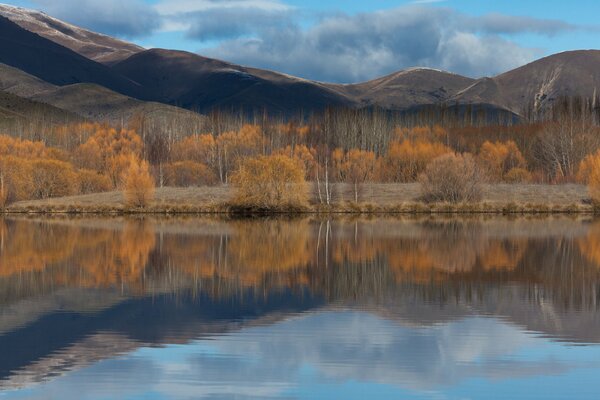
column 374, row 198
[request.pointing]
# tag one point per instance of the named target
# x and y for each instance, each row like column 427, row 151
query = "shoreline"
column 342, row 209
column 375, row 199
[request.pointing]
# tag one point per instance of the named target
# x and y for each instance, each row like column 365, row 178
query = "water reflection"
column 302, row 308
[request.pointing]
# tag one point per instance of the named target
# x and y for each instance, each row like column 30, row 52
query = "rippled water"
column 382, row 308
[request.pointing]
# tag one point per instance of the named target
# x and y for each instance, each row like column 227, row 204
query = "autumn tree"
column 92, row 182
column 53, row 178
column 453, row 178
column 138, row 184
column 407, row 158
column 15, row 179
column 189, row 173
column 563, row 144
column 355, row 167
column 108, row 151
column 270, row 182
column 499, row 158
column 197, row 148
column 589, row 173
column 304, row 155
column 232, row 147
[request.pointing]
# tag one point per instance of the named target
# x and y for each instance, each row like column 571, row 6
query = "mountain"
column 540, row 83
column 56, row 64
column 195, row 82
column 92, row 45
column 53, row 52
column 406, row 89
column 18, row 114
column 91, row 101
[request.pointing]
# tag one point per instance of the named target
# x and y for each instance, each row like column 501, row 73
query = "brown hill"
column 540, row 83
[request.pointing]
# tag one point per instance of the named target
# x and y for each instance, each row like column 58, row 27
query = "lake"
column 311, row 308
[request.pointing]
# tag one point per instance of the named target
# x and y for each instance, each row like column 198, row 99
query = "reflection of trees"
column 590, row 245
column 74, row 256
column 338, row 259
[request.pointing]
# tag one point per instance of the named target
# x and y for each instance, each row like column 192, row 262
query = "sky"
column 346, row 41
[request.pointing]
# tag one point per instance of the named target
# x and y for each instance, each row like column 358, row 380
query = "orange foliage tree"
column 589, row 173
column 270, row 182
column 199, row 149
column 232, row 147
column 108, row 151
column 189, row 173
column 15, row 179
column 92, row 182
column 138, row 184
column 53, row 178
column 407, row 158
column 500, row 158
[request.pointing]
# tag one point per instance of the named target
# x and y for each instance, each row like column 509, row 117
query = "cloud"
column 345, row 48
column 264, row 361
column 508, row 24
column 130, row 18
column 223, row 19
column 335, row 48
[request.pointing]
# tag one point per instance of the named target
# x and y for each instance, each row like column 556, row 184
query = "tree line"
column 268, row 154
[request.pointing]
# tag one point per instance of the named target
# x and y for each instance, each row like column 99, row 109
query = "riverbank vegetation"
column 273, row 164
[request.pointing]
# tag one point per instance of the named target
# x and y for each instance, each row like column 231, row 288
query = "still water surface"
column 384, row 308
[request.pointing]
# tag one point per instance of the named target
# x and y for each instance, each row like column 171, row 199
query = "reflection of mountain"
column 158, row 281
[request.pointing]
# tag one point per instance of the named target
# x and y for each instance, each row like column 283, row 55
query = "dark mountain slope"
column 200, row 83
column 56, row 64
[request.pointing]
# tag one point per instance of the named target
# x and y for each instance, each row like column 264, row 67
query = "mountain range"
column 48, row 61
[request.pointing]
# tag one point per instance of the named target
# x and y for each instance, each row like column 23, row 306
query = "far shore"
column 374, row 198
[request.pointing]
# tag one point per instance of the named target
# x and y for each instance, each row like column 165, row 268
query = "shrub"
column 270, row 182
column 518, row 175
column 453, row 178
column 138, row 183
column 189, row 173
column 93, row 182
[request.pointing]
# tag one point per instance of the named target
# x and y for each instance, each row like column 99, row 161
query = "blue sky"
column 346, row 41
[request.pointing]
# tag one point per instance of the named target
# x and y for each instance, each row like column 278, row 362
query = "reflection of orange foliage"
column 590, row 245
column 503, row 255
column 27, row 247
column 87, row 257
column 121, row 259
column 266, row 253
column 266, row 248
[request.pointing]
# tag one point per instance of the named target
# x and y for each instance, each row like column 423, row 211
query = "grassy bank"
column 375, row 198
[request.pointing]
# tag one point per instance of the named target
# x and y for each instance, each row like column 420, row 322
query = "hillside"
column 572, row 73
column 18, row 114
column 89, row 101
column 405, row 89
column 56, row 64
column 202, row 84
column 92, row 45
